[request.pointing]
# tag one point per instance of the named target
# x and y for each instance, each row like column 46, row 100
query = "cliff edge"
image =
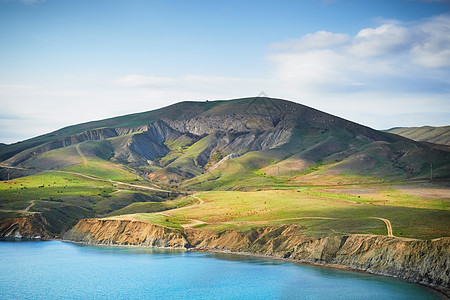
column 111, row 231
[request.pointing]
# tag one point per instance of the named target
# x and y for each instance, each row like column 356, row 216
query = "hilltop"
column 203, row 145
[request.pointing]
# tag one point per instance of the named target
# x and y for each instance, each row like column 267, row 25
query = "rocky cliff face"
column 426, row 262
column 30, row 226
column 126, row 232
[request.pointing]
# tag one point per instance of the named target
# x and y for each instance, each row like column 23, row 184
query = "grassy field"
column 341, row 204
column 63, row 198
column 319, row 212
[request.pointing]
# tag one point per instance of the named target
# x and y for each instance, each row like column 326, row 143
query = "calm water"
column 57, row 270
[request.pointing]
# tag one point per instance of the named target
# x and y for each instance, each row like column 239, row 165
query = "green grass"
column 318, row 214
column 100, row 168
column 64, row 198
column 150, row 207
column 160, row 220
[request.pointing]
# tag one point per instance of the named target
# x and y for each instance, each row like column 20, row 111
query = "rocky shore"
column 424, row 262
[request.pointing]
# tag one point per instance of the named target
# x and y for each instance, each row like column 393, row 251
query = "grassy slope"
column 320, row 213
column 64, row 198
column 150, row 207
column 312, row 158
column 438, row 135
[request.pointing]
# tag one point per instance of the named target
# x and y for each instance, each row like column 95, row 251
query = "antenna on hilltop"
column 262, row 94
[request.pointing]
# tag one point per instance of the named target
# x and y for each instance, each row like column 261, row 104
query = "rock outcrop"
column 30, row 227
column 425, row 262
column 126, row 232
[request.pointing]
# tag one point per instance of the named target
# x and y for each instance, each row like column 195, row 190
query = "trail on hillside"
column 278, row 220
column 113, row 181
column 92, row 178
column 388, row 225
column 193, row 222
column 26, row 210
column 12, row 167
column 81, row 154
column 29, row 206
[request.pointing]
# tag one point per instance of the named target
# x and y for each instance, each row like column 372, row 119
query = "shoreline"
column 442, row 292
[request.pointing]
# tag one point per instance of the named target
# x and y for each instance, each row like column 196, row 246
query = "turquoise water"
column 57, row 270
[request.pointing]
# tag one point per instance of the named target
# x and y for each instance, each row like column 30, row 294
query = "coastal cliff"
column 30, row 227
column 425, row 262
column 126, row 232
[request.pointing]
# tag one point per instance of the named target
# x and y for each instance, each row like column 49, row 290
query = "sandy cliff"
column 125, row 232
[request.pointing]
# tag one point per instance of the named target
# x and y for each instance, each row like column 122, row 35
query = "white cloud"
column 386, row 39
column 413, row 58
column 426, row 43
column 318, row 40
column 433, row 50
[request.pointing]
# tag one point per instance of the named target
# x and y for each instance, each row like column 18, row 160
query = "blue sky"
column 378, row 63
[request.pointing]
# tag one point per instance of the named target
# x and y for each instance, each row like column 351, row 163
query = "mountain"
column 437, row 135
column 235, row 144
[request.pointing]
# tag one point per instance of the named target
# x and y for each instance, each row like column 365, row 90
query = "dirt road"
column 388, row 225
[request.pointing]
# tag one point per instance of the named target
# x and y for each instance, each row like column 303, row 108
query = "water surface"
column 57, row 270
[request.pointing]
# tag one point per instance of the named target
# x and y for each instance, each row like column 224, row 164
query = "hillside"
column 437, row 135
column 140, row 163
column 199, row 145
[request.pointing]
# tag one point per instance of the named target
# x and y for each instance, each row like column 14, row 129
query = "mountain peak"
column 188, row 139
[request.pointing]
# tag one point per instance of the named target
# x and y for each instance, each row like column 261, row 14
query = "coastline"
column 442, row 292
column 423, row 262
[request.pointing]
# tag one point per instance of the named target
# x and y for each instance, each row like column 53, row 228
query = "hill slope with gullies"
column 437, row 135
column 205, row 145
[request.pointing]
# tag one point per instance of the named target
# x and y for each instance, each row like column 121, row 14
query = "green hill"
column 200, row 144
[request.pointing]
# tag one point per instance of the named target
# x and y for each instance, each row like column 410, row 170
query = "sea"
column 61, row 270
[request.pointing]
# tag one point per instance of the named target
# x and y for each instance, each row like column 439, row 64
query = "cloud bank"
column 372, row 58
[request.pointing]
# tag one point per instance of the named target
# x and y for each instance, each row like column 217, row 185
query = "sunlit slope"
column 61, row 198
column 319, row 212
column 437, row 135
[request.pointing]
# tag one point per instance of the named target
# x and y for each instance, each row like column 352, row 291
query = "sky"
column 383, row 63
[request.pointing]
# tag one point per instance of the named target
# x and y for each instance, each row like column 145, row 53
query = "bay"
column 59, row 270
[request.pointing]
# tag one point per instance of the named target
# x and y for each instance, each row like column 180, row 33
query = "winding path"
column 388, row 225
column 193, row 222
column 29, row 206
column 114, row 181
column 81, row 154
column 92, row 178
